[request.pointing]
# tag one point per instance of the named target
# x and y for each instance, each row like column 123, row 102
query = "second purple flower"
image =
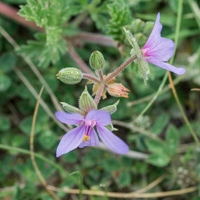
column 85, row 134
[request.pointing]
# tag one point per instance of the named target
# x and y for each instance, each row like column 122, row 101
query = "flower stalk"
column 119, row 69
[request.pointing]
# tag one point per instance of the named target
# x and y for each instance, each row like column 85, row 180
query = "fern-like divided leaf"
column 52, row 15
column 120, row 16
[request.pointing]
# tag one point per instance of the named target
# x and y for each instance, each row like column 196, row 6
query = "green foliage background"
column 177, row 157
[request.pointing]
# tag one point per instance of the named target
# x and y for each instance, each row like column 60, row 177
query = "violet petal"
column 155, row 34
column 167, row 66
column 162, row 51
column 69, row 118
column 112, row 141
column 93, row 141
column 101, row 117
column 70, row 140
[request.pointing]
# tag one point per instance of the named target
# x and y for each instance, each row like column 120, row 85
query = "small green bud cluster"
column 70, row 75
column 97, row 61
column 141, row 30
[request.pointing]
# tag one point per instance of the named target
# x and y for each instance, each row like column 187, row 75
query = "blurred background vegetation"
column 166, row 150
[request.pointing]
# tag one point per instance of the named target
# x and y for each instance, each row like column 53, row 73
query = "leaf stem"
column 119, row 69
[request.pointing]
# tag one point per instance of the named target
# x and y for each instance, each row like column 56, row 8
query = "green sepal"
column 70, row 75
column 111, row 108
column 72, row 109
column 86, row 102
column 142, row 63
column 111, row 127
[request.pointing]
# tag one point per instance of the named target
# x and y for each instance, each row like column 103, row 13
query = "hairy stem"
column 99, row 93
column 182, row 111
column 119, row 69
column 91, row 77
column 78, row 59
column 100, row 75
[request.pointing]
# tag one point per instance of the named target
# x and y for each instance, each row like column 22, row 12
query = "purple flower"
column 85, row 134
column 158, row 49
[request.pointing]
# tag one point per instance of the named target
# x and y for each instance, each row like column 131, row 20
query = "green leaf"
column 154, row 146
column 25, row 126
column 71, row 157
column 124, row 179
column 160, row 124
column 5, row 83
column 120, row 16
column 111, row 164
column 17, row 140
column 4, row 123
column 47, row 139
column 172, row 139
column 159, row 159
column 7, row 62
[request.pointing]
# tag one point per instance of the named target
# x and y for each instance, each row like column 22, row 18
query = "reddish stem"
column 78, row 59
column 11, row 13
column 100, row 75
column 119, row 69
column 95, row 38
column 99, row 93
column 91, row 77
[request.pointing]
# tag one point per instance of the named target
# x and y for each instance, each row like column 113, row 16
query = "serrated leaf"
column 172, row 140
column 159, row 159
column 120, row 16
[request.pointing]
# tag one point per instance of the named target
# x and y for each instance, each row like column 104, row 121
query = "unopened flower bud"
column 137, row 25
column 72, row 109
column 140, row 38
column 86, row 102
column 70, row 75
column 118, row 90
column 97, row 61
column 148, row 28
column 112, row 108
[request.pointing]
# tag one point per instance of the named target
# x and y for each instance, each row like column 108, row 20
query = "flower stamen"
column 86, row 138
